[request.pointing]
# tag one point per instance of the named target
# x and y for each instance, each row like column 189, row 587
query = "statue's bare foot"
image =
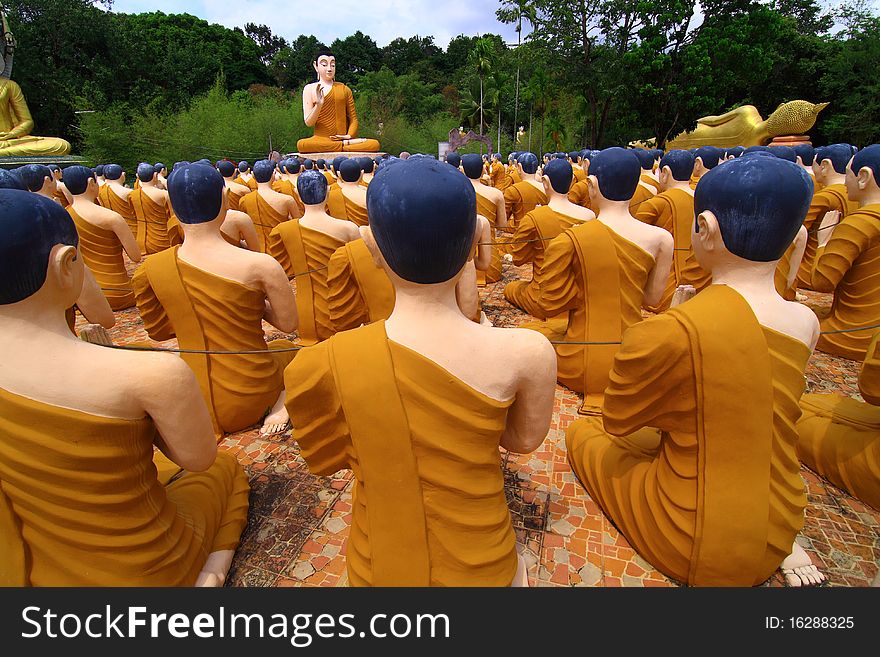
column 96, row 334
column 799, row 570
column 216, row 568
column 277, row 421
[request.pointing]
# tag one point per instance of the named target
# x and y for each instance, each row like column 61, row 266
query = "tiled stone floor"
column 298, row 523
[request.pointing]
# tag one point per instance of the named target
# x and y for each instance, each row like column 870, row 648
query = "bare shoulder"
column 158, row 374
column 531, row 348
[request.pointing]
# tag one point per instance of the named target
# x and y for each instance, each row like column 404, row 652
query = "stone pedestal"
column 791, row 140
column 334, row 154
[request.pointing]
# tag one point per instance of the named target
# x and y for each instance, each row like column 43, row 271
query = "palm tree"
column 481, row 58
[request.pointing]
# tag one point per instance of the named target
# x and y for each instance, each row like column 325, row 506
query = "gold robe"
column 520, row 199
column 250, row 183
column 829, row 198
column 112, row 201
column 17, row 123
column 486, row 207
column 337, row 116
column 673, row 210
column 599, row 278
column 234, row 200
column 513, row 172
column 264, row 216
column 354, row 212
column 849, row 266
column 713, row 495
column 211, row 313
column 639, row 196
column 336, row 203
column 840, row 436
column 102, row 253
column 300, row 250
column 780, row 276
column 287, row 187
column 648, row 179
column 359, row 292
column 579, row 194
column 528, row 244
column 498, row 176
column 428, row 502
column 84, row 502
column 152, row 223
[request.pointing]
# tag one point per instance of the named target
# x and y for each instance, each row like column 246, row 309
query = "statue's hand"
column 826, row 228
column 319, row 94
column 4, row 135
column 341, row 137
column 4, row 143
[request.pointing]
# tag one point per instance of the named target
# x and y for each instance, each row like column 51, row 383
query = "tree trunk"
column 530, row 128
column 481, row 113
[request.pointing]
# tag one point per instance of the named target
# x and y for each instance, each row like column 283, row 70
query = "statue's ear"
column 865, row 177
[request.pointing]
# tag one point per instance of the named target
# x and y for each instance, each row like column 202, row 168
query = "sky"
column 383, row 20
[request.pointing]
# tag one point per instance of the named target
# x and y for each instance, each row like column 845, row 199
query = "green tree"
column 268, row 43
column 292, row 66
column 355, row 55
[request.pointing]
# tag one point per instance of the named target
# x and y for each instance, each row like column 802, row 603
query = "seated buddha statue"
column 597, row 275
column 422, row 432
column 490, row 204
column 743, row 126
column 523, row 197
column 535, row 231
column 673, row 210
column 848, row 259
column 236, row 190
column 266, row 207
column 839, row 436
column 354, row 195
column 103, row 236
column 16, row 124
column 153, row 211
column 303, row 248
column 85, row 500
column 694, row 456
column 214, row 296
column 328, row 107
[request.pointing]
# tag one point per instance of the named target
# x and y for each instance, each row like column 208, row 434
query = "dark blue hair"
column 312, row 187
column 736, row 151
column 263, row 171
column 454, row 159
column 366, row 163
column 680, row 163
column 423, row 214
column 868, row 157
column 145, row 172
column 528, row 162
column 560, row 173
column 646, row 158
column 756, row 149
column 158, row 167
column 784, row 153
column 839, row 154
column 243, row 166
column 709, row 156
column 76, row 179
column 34, row 175
column 339, row 159
column 350, row 170
column 226, row 168
column 11, row 180
column 196, row 193
column 112, row 171
column 806, row 153
column 308, row 164
column 30, row 226
column 617, row 171
column 760, row 204
column 99, row 170
column 294, row 165
column 472, row 165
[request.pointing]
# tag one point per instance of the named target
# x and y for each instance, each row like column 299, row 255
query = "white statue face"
column 325, row 67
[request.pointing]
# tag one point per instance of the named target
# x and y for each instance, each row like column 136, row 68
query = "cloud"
column 383, row 20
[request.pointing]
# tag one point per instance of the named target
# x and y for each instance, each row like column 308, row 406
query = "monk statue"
column 303, row 247
column 597, row 275
column 84, row 500
column 153, row 211
column 422, row 432
column 38, row 178
column 236, row 190
column 523, row 197
column 706, row 158
column 328, row 107
column 104, row 235
column 673, row 210
column 644, row 190
column 848, row 258
column 285, row 182
column 161, row 175
column 213, row 296
column 266, row 207
column 114, row 195
column 534, row 232
column 694, row 456
column 744, row 126
column 16, row 122
column 245, row 177
column 336, row 207
column 61, row 193
column 354, row 194
column 490, row 204
column 579, row 193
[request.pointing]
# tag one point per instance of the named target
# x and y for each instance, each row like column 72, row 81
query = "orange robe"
column 264, row 216
column 287, row 187
column 337, row 116
column 305, row 253
column 639, row 196
column 840, row 436
column 673, row 210
column 359, row 291
column 211, row 313
column 520, row 199
column 428, row 504
column 648, row 179
column 250, row 183
column 354, row 212
column 102, row 252
column 498, row 176
column 152, row 227
column 829, row 198
column 336, row 203
column 849, row 266
column 85, row 502
column 112, row 201
column 694, row 457
column 599, row 278
column 780, row 276
column 513, row 172
column 579, row 194
column 528, row 244
column 486, row 207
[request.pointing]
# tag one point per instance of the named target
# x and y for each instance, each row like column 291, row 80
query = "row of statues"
column 697, row 465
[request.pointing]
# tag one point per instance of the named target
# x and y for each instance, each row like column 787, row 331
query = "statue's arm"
column 528, row 419
column 24, row 122
column 311, row 105
column 280, row 303
column 721, row 119
column 660, row 273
